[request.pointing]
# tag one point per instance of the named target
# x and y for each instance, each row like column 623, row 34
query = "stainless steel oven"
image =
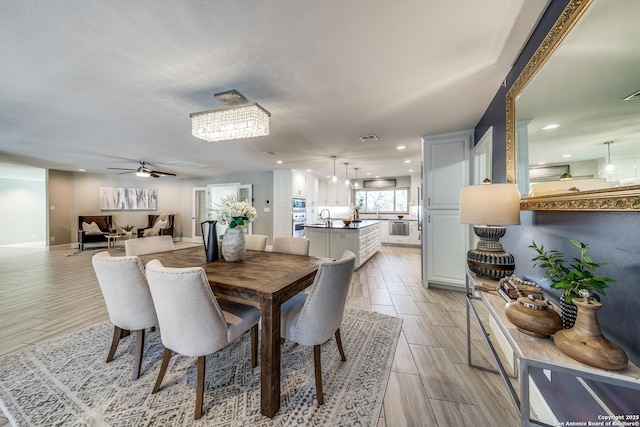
column 299, row 218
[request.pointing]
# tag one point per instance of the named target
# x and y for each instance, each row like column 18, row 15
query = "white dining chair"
column 148, row 245
column 291, row 245
column 128, row 299
column 256, row 242
column 193, row 322
column 312, row 319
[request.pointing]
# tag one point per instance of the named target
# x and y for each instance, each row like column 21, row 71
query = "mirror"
column 583, row 77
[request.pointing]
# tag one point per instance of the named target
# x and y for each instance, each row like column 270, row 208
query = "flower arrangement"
column 128, row 227
column 235, row 212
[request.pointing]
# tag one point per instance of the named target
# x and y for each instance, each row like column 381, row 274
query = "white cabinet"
column 414, row 233
column 332, row 242
column 311, row 194
column 334, row 194
column 446, row 162
column 384, row 231
column 299, row 186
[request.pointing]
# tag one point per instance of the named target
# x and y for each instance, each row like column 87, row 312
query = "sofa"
column 158, row 225
column 94, row 229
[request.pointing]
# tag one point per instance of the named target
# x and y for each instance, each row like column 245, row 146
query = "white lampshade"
column 490, row 204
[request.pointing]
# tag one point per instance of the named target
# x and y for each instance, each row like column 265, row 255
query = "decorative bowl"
column 346, row 221
column 400, row 216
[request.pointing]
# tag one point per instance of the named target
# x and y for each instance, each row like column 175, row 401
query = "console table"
column 532, row 352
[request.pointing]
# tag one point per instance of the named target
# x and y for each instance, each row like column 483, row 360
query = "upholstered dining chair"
column 192, row 321
column 126, row 293
column 148, row 245
column 291, row 245
column 256, row 242
column 311, row 319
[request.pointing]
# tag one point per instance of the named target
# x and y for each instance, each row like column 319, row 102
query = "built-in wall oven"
column 299, row 218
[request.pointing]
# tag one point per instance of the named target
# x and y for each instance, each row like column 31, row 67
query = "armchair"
column 89, row 234
column 167, row 230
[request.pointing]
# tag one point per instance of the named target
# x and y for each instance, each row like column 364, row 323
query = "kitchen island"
column 330, row 241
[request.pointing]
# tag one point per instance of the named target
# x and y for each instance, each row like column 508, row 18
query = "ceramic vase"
column 569, row 313
column 585, row 342
column 234, row 244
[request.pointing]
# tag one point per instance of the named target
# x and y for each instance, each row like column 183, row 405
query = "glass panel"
column 395, row 200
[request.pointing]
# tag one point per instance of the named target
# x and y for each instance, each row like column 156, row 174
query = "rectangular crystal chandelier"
column 241, row 119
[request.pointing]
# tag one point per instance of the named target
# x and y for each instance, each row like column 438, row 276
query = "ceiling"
column 94, row 85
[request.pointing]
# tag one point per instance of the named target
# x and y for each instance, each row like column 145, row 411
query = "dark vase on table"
column 211, row 242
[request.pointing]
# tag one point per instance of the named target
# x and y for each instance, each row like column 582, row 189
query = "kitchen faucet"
column 328, row 218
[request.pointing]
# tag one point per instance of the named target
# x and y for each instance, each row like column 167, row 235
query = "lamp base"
column 489, row 259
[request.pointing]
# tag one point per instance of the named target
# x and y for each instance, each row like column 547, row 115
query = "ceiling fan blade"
column 163, row 173
column 122, row 169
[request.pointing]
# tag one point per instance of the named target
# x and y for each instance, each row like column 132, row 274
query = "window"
column 386, row 201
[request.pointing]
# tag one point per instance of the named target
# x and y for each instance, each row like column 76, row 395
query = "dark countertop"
column 337, row 224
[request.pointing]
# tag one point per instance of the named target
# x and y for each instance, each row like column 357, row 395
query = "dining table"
column 262, row 279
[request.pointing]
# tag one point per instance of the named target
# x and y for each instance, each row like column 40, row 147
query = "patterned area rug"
column 67, row 382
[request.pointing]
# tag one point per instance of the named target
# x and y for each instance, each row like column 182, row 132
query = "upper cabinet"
column 299, row 187
column 446, row 166
column 311, row 190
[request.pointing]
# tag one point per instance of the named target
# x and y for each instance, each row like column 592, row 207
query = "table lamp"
column 489, row 207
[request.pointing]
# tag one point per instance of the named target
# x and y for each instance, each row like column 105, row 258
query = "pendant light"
column 355, row 182
column 609, row 168
column 334, row 178
column 346, row 174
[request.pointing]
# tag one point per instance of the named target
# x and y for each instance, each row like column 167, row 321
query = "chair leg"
column 317, row 363
column 254, row 346
column 166, row 355
column 200, row 386
column 137, row 358
column 339, row 342
column 117, row 334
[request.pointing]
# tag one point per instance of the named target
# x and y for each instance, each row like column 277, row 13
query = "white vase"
column 234, row 244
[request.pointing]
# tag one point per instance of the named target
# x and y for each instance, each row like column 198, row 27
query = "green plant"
column 572, row 277
column 128, row 227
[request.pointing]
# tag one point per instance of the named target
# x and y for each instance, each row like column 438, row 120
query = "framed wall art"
column 125, row 198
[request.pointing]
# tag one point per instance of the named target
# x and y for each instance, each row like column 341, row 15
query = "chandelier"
column 240, row 119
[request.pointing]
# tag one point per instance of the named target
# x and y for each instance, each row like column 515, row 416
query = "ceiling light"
column 355, row 183
column 346, row 174
column 368, row 173
column 279, row 162
column 609, row 168
column 410, row 170
column 551, row 126
column 240, row 119
column 82, row 170
column 400, row 147
column 143, row 173
column 334, row 178
column 407, row 161
column 564, row 156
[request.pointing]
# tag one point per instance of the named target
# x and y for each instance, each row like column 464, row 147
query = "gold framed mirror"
column 583, row 79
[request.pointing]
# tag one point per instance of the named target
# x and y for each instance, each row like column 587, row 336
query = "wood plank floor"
column 44, row 294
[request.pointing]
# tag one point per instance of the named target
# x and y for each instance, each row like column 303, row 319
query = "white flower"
column 235, row 212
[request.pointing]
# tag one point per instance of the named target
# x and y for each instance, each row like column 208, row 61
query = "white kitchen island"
column 330, row 241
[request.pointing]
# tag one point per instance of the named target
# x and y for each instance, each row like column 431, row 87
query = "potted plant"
column 127, row 229
column 583, row 340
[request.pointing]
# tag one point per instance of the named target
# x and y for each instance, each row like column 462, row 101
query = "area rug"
column 93, row 251
column 67, row 382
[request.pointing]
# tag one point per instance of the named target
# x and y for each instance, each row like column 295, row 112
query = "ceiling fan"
column 144, row 171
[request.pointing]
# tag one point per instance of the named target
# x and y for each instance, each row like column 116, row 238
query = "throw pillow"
column 151, row 232
column 91, row 228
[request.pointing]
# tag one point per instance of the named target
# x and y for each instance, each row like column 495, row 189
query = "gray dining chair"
column 256, row 242
column 291, row 245
column 193, row 322
column 128, row 299
column 312, row 319
column 148, row 245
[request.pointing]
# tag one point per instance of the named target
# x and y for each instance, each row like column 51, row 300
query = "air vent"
column 369, row 138
column 270, row 153
column 633, row 96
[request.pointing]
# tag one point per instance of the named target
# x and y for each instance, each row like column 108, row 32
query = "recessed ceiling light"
column 81, row 170
column 542, row 163
column 308, row 170
column 564, row 156
column 369, row 173
column 279, row 162
column 407, row 161
column 400, row 147
column 377, row 176
column 410, row 170
column 551, row 126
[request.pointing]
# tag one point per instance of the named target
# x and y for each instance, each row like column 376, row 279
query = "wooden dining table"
column 264, row 280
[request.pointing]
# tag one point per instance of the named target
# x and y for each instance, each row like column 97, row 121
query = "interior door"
column 198, row 212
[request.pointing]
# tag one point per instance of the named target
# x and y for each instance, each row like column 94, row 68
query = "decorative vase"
column 234, row 244
column 211, row 243
column 585, row 342
column 533, row 316
column 569, row 313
